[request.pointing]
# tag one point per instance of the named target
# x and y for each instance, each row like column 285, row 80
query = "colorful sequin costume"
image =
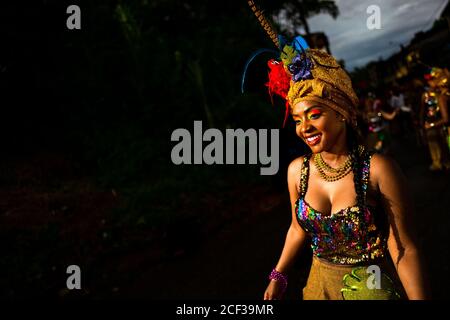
column 348, row 236
column 344, row 244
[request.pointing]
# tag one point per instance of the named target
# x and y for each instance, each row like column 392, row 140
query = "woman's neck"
column 337, row 155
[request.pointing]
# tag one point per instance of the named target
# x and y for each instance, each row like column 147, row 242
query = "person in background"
column 378, row 135
column 397, row 103
column 434, row 117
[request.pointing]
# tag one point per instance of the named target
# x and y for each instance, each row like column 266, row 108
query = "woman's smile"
column 319, row 126
column 312, row 140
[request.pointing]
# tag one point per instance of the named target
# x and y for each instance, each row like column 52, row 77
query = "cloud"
column 405, row 7
column 351, row 40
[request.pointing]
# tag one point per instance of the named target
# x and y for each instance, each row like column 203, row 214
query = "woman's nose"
column 306, row 127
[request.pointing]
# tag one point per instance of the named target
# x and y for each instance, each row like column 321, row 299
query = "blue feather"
column 300, row 44
column 253, row 56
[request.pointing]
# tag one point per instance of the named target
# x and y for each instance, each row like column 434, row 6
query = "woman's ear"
column 338, row 115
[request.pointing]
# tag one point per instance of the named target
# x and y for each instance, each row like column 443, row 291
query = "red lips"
column 312, row 140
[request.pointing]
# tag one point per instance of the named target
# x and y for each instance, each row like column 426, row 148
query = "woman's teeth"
column 313, row 139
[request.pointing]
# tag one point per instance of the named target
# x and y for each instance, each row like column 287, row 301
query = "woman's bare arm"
column 296, row 236
column 402, row 243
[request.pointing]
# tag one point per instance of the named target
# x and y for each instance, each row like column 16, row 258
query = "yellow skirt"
column 329, row 281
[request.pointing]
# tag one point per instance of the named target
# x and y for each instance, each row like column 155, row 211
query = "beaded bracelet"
column 278, row 276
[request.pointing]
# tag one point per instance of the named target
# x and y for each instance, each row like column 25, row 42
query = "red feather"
column 279, row 82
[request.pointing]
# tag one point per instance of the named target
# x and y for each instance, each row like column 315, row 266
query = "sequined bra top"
column 353, row 235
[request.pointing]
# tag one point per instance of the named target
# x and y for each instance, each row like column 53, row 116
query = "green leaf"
column 288, row 54
column 356, row 287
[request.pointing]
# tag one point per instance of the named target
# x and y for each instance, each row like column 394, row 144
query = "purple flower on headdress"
column 300, row 68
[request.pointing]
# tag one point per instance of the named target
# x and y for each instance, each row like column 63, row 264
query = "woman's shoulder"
column 381, row 160
column 294, row 174
column 295, row 166
column 382, row 165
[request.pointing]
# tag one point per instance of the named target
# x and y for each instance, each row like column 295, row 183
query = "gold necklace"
column 326, row 167
column 338, row 173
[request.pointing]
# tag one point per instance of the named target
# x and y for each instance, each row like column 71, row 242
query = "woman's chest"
column 331, row 197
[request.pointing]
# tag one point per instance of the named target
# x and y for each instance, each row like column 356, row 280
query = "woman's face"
column 319, row 126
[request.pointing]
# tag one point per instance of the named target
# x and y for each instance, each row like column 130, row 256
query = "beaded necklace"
column 336, row 173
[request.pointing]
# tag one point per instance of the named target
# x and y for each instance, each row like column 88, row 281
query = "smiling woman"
column 351, row 204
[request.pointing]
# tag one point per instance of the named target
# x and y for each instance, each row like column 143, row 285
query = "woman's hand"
column 274, row 291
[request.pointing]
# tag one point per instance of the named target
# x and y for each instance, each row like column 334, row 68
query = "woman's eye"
column 297, row 122
column 314, row 116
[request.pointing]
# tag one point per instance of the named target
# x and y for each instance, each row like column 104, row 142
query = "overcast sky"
column 351, row 40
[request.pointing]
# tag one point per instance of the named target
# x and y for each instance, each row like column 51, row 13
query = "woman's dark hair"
column 354, row 140
column 354, row 137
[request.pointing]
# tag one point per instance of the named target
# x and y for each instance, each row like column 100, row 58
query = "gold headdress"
column 330, row 85
column 301, row 73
